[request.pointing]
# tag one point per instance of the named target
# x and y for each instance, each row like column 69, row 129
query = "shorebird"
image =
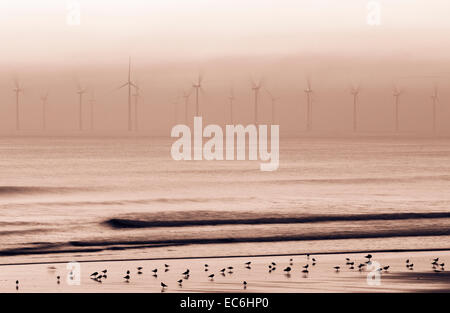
column 166, row 265
column 17, row 285
column 155, row 271
column 360, row 266
column 386, row 268
column 306, row 266
column 127, row 278
column 94, row 274
column 274, row 264
column 163, row 285
column 248, row 263
column 211, row 276
column 186, row 273
column 180, row 282
column 305, row 271
column 223, row 270
column 291, row 262
column 245, row 284
column 105, row 271
column 307, row 256
column 128, row 272
column 139, row 268
column 337, row 268
column 287, row 269
column 369, row 256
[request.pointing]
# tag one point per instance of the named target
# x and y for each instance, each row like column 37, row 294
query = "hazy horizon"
column 231, row 42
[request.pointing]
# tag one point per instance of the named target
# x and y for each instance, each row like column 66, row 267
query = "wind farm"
column 233, row 114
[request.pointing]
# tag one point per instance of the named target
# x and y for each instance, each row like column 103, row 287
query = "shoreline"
column 265, row 274
column 234, row 256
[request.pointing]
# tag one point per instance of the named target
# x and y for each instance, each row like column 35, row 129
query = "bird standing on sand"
column 245, row 284
column 163, row 285
column 94, row 274
column 180, row 282
column 17, row 285
column 287, row 269
column 386, row 268
column 337, row 268
column 211, row 276
column 127, row 278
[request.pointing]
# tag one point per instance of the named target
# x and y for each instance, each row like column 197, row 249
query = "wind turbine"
column 91, row 104
column 44, row 99
column 256, row 87
column 355, row 92
column 17, row 89
column 80, row 91
column 186, row 96
column 197, row 86
column 273, row 101
column 136, row 96
column 231, row 98
column 435, row 99
column 129, row 84
column 396, row 93
column 308, row 91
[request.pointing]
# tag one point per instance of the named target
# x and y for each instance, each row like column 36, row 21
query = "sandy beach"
column 322, row 276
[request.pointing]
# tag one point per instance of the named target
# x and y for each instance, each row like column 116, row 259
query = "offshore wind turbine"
column 396, row 93
column 44, row 99
column 355, row 92
column 129, row 84
column 198, row 87
column 17, row 89
column 308, row 91
column 256, row 87
column 435, row 99
column 80, row 91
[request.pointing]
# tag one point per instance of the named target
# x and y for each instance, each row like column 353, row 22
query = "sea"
column 120, row 198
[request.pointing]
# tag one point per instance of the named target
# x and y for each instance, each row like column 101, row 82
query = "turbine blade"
column 120, row 87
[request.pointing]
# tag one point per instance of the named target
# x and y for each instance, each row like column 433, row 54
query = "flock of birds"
column 437, row 266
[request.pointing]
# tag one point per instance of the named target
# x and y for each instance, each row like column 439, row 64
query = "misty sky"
column 229, row 41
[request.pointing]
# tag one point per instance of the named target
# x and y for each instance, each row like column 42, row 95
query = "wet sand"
column 322, row 276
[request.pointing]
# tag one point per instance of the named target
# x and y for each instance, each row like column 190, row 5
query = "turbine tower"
column 17, row 89
column 136, row 96
column 197, row 86
column 273, row 101
column 44, row 99
column 91, row 104
column 396, row 93
column 308, row 91
column 355, row 92
column 80, row 91
column 256, row 87
column 129, row 84
column 435, row 99
column 231, row 99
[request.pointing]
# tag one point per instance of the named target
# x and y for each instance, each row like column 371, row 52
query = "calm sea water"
column 107, row 198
